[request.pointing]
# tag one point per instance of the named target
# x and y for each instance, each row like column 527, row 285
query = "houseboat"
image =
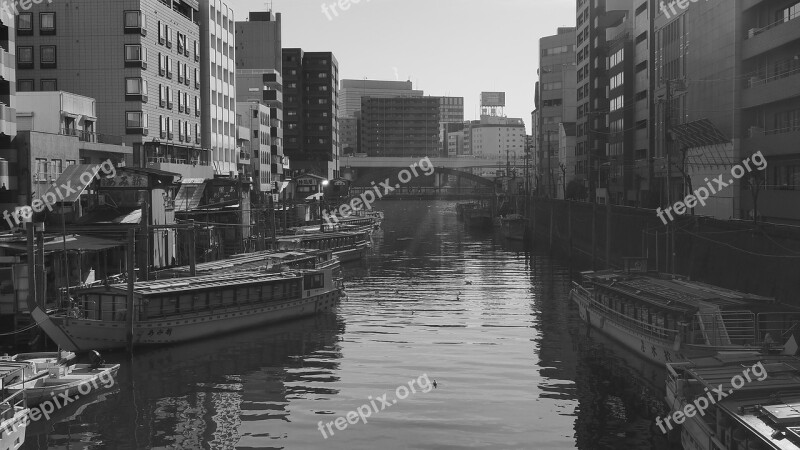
column 667, row 319
column 186, row 309
column 757, row 407
column 13, row 412
column 267, row 261
column 346, row 246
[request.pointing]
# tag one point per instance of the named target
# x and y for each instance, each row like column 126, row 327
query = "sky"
column 445, row 47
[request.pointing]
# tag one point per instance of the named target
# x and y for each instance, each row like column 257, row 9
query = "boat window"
column 153, row 306
column 215, row 298
column 254, row 293
column 185, row 303
column 169, row 306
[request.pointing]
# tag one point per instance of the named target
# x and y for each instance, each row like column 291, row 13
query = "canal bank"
column 761, row 259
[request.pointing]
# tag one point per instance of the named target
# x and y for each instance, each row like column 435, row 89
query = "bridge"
column 456, row 162
column 363, row 169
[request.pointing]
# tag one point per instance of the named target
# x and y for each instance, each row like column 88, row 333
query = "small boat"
column 513, row 226
column 13, row 412
column 188, row 308
column 461, row 209
column 50, row 377
column 735, row 401
column 665, row 318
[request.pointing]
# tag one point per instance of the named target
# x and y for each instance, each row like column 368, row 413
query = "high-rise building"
column 144, row 73
column 348, row 134
column 259, row 63
column 218, row 72
column 498, row 138
column 311, row 109
column 557, row 103
column 400, row 126
column 353, row 91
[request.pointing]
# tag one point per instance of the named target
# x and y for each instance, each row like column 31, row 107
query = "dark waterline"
column 513, row 363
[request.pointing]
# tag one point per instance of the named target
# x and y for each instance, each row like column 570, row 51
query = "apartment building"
column 138, row 59
column 9, row 182
column 352, row 91
column 218, row 71
column 451, row 118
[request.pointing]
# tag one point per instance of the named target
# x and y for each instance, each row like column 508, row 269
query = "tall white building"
column 218, row 72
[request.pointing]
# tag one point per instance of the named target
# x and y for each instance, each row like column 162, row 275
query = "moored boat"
column 51, row 377
column 346, row 246
column 513, row 227
column 13, row 412
column 667, row 319
column 735, row 401
column 478, row 218
column 189, row 308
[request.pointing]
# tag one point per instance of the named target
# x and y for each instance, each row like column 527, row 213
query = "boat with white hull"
column 13, row 411
column 186, row 309
column 666, row 319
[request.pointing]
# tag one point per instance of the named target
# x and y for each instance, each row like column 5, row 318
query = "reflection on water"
column 513, row 364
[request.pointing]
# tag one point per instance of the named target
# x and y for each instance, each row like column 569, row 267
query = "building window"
column 47, row 23
column 25, row 57
column 25, row 24
column 135, row 90
column 135, row 22
column 24, row 85
column 49, row 85
column 47, row 58
column 136, row 122
column 135, row 56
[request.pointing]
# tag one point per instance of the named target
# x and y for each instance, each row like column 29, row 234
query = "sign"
column 125, row 180
column 306, row 182
column 493, row 99
column 275, row 198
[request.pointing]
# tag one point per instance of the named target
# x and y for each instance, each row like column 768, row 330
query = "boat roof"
column 198, row 283
column 674, row 293
column 239, row 262
column 764, row 406
column 319, row 236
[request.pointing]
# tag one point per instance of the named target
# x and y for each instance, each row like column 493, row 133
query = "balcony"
column 773, row 89
column 761, row 40
column 771, row 142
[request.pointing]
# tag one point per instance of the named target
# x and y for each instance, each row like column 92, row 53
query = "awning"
column 72, row 182
column 73, row 242
column 189, row 196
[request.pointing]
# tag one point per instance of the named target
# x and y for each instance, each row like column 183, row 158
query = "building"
column 150, row 101
column 557, row 102
column 566, row 158
column 500, row 138
column 311, row 108
column 256, row 121
column 352, row 91
column 455, row 143
column 218, row 94
column 400, row 126
column 750, row 103
column 259, row 63
column 451, row 118
column 9, row 183
column 348, row 133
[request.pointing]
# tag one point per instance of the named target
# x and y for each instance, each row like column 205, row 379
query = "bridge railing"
column 425, row 191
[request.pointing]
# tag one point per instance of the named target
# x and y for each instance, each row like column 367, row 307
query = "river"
column 513, row 365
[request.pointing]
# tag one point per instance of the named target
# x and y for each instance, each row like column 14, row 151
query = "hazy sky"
column 446, row 47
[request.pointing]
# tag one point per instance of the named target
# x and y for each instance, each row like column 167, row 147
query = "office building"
column 451, row 118
column 259, row 62
column 9, row 181
column 400, row 126
column 353, row 91
column 218, row 72
column 557, row 102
